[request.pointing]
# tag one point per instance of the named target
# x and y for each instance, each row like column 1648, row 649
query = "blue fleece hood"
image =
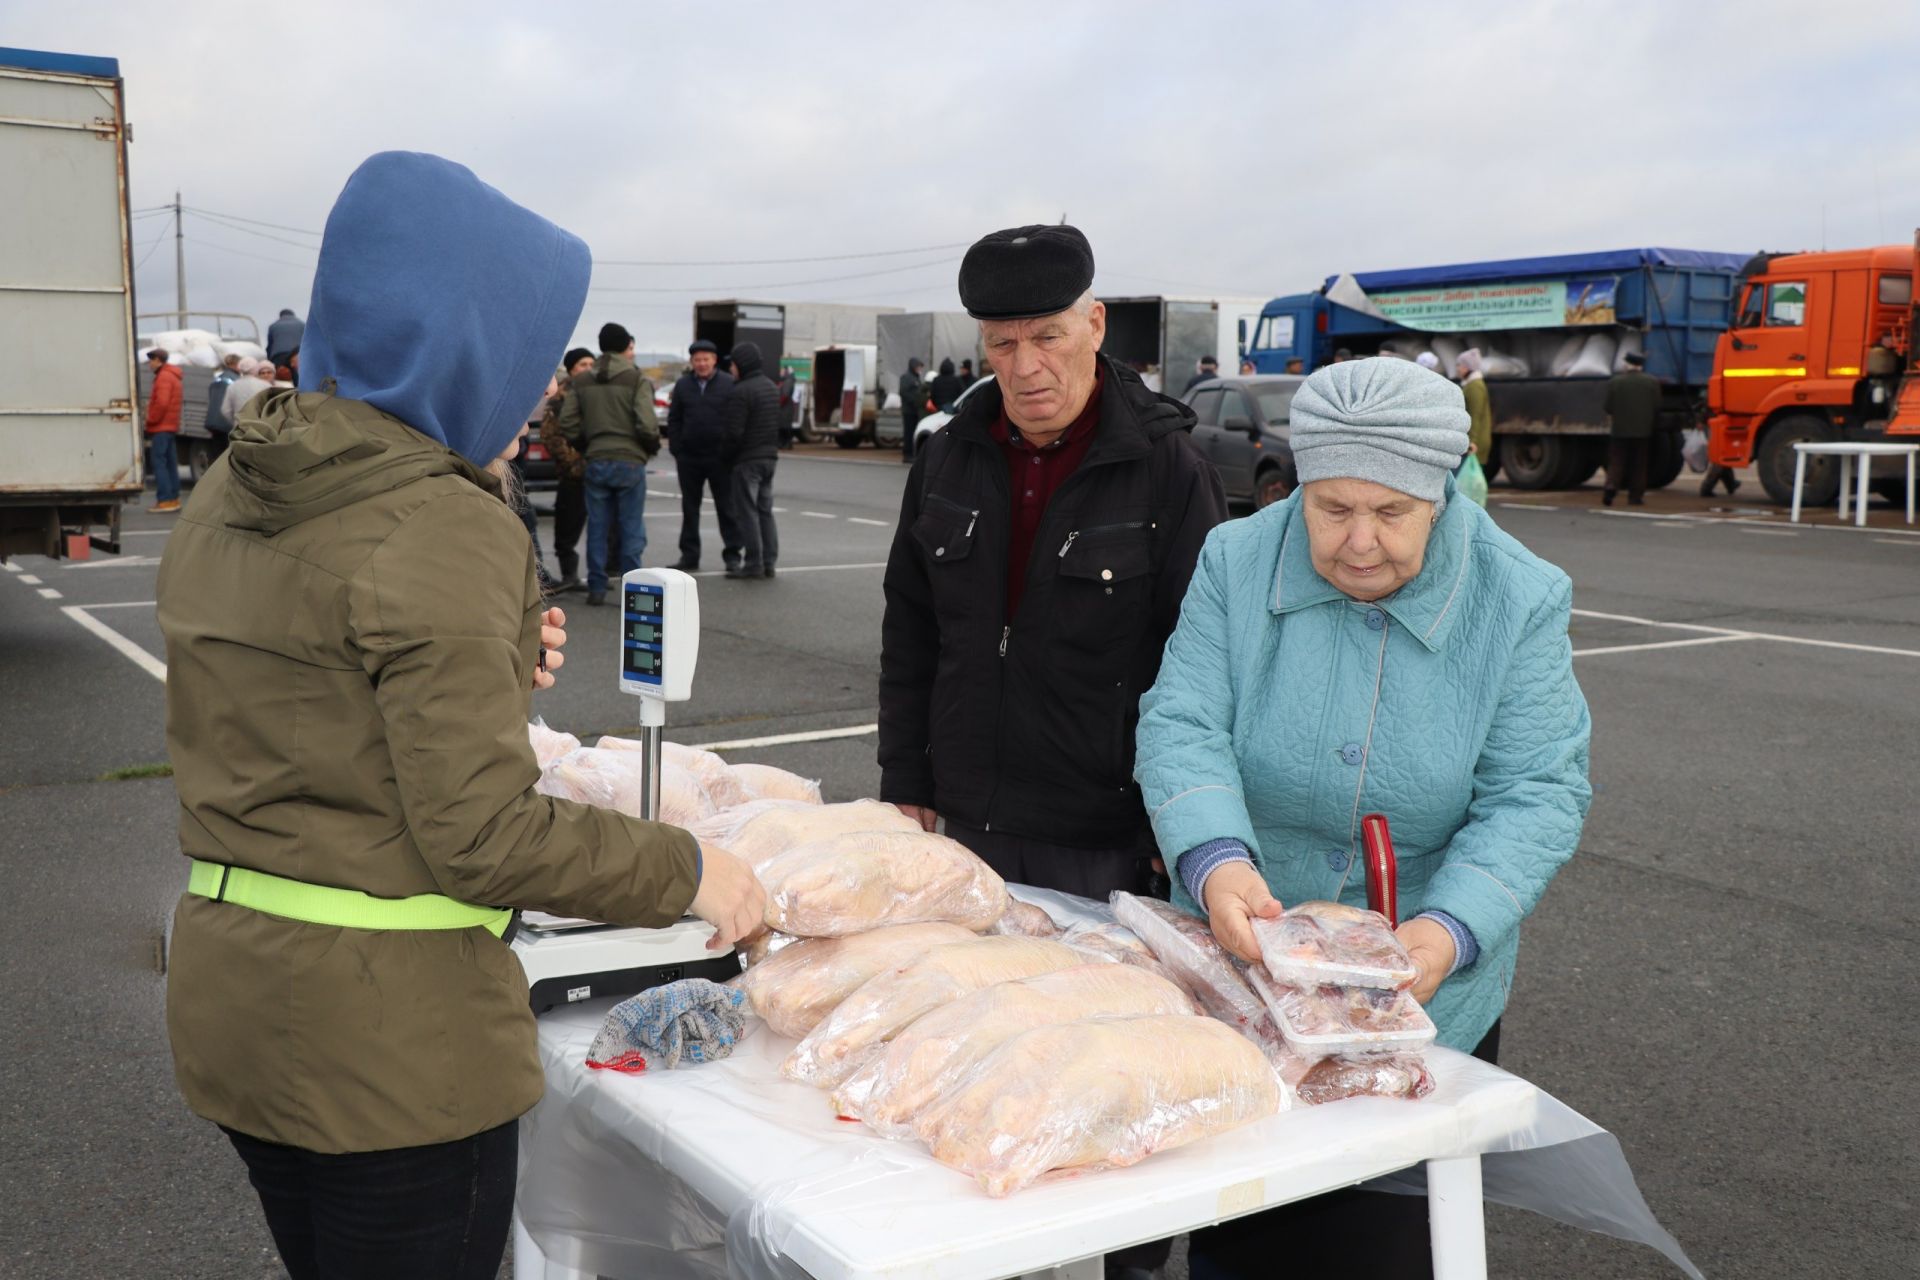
column 440, row 301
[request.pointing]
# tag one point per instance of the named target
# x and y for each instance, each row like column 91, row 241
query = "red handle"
column 1383, row 871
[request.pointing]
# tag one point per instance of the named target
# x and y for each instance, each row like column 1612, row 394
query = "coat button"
column 1337, row 860
column 1351, row 753
column 1106, row 575
column 1376, row 619
column 939, row 551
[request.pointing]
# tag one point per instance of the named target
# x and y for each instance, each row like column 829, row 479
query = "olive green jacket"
column 1479, row 418
column 608, row 412
column 352, row 626
column 1633, row 401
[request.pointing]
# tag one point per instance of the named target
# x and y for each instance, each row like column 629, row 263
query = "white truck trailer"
column 70, row 434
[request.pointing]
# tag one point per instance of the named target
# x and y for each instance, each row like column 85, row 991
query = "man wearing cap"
column 697, row 433
column 1633, row 402
column 608, row 415
column 1045, row 541
column 1207, row 371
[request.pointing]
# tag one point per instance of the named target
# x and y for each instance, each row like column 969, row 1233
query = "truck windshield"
column 1276, row 334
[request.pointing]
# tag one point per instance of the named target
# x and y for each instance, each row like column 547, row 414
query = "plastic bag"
column 1596, row 357
column 764, row 782
column 884, row 1007
column 765, row 829
column 548, row 744
column 1186, row 946
column 1318, row 1021
column 1693, row 448
column 1102, row 1094
column 865, row 879
column 617, row 780
column 1024, row 920
column 929, row 1059
column 1332, row 944
column 709, row 770
column 1471, row 479
column 797, row 985
column 1375, row 1075
column 692, row 1020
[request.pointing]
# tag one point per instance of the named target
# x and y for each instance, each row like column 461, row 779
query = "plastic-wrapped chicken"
column 762, row 945
column 615, row 780
column 1101, row 1094
column 926, row 1061
column 852, row 883
column 549, row 744
column 708, row 769
column 1117, row 942
column 1023, row 920
column 1330, row 943
column 890, row 1002
column 764, row 782
column 1186, row 946
column 766, row 828
column 1331, row 1020
column 1373, row 1075
column 800, row 983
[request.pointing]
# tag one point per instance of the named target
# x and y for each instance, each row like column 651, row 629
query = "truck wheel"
column 1664, row 461
column 1533, row 462
column 1775, row 462
column 847, row 439
column 1493, row 460
column 1271, row 485
column 1584, row 455
column 200, row 456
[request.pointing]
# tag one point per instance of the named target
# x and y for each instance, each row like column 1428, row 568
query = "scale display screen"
column 642, row 656
column 643, row 631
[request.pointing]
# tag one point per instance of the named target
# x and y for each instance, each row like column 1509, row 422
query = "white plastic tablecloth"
column 727, row 1170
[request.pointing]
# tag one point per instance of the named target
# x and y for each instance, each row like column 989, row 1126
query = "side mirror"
column 1237, row 422
column 1243, row 335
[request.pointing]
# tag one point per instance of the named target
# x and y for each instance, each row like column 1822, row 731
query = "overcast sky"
column 1244, row 149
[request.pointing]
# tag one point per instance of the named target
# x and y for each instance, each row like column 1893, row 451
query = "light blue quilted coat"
column 1285, row 711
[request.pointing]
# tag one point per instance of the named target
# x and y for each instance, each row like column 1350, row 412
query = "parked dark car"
column 1243, row 432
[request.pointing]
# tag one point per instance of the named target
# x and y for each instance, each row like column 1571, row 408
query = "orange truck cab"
column 1798, row 363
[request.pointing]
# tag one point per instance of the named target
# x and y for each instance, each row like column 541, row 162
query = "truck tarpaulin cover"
column 1565, row 264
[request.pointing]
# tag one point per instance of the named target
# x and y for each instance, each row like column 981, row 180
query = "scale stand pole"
column 653, row 719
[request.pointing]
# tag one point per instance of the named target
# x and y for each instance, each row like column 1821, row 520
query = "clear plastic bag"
column 709, row 770
column 616, row 780
column 1316, row 1021
column 1101, row 1094
column 549, row 745
column 931, row 1057
column 884, row 1007
column 1024, row 920
column 1186, row 946
column 851, row 883
column 1318, row 1080
column 1332, row 944
column 763, row 829
column 764, row 782
column 800, row 983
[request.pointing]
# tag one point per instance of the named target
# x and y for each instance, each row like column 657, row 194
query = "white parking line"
column 1895, row 542
column 1764, row 531
column 48, row 593
column 1733, row 633
column 1639, row 515
column 115, row 562
column 820, row 515
column 10, row 566
column 1529, row 506
column 881, row 524
column 782, row 739
column 29, row 579
column 128, row 649
column 122, row 604
column 1660, row 644
column 145, row 533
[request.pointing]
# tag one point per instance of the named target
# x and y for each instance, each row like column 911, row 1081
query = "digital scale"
column 569, row 960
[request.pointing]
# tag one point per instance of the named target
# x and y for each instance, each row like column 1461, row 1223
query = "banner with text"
column 1502, row 304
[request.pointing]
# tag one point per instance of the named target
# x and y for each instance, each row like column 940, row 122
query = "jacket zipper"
column 1102, row 528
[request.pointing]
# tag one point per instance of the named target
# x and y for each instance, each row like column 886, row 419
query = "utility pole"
column 179, row 261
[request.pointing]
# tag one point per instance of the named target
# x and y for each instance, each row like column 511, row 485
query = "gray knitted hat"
column 1388, row 421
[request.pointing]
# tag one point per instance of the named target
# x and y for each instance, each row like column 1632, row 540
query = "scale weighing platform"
column 570, row 960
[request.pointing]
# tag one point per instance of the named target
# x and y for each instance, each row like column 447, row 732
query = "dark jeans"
column 909, row 422
column 1627, row 460
column 569, row 521
column 615, row 488
column 697, row 477
column 753, row 507
column 1355, row 1231
column 164, row 461
column 440, row 1212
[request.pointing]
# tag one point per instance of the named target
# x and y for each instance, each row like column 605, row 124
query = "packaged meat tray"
column 1331, row 944
column 1317, row 1021
column 1186, row 946
column 1316, row 1081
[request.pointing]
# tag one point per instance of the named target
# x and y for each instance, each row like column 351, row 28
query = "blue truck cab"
column 1549, row 428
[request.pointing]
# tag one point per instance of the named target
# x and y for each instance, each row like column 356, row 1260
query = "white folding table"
column 1848, row 452
column 726, row 1169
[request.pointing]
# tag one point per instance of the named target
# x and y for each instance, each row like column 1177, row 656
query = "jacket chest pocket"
column 1103, row 587
column 945, row 530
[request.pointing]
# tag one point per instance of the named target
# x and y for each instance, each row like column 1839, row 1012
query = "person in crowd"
column 1341, row 355
column 1470, row 368
column 291, row 374
column 1428, row 361
column 946, row 386
column 608, row 416
column 1632, row 404
column 163, row 432
column 789, row 387
column 218, row 423
column 696, row 429
column 521, row 501
column 1206, row 371
column 1395, row 652
column 752, row 450
column 913, row 404
column 966, row 374
column 255, row 376
column 569, row 475
column 353, row 634
column 283, row 336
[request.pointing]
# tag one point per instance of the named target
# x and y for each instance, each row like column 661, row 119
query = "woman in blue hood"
column 353, row 634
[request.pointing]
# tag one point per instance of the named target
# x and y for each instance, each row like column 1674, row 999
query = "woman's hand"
column 1236, row 893
column 1432, row 949
column 551, row 638
column 729, row 898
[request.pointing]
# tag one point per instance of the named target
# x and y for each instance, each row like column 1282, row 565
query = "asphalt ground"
column 1721, row 977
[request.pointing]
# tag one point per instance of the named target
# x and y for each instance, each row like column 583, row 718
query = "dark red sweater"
column 1034, row 476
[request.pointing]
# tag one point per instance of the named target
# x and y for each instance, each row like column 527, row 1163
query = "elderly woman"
column 1369, row 645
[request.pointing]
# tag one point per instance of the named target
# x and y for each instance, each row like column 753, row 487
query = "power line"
column 214, row 213
column 210, row 244
column 726, row 289
column 150, row 248
column 220, row 221
column 776, row 262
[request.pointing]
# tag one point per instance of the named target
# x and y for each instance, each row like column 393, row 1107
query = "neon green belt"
column 342, row 908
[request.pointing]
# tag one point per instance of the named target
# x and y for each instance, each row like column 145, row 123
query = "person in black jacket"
column 752, row 448
column 913, row 403
column 946, row 387
column 697, row 433
column 1045, row 542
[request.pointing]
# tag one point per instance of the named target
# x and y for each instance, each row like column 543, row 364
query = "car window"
column 1206, row 403
column 1751, row 307
column 1275, row 334
column 1276, row 402
column 1786, row 303
column 1234, row 405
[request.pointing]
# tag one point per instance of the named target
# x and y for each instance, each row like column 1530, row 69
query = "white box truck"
column 70, row 434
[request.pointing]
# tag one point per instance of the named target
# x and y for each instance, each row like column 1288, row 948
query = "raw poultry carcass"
column 923, row 1063
column 764, row 782
column 1106, row 1093
column 708, row 769
column 767, row 828
column 549, row 745
column 859, row 881
column 616, row 779
column 885, row 1006
column 1024, row 920
column 802, row 982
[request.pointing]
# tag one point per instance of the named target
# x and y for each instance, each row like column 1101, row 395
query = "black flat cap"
column 1024, row 272
column 698, row 345
column 1634, row 358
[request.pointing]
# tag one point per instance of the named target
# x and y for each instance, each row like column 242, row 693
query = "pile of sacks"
column 1528, row 353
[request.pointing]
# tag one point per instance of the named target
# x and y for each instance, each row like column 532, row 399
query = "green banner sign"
column 1501, row 304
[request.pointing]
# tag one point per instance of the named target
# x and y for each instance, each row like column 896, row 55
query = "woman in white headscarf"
column 255, row 376
column 1473, row 385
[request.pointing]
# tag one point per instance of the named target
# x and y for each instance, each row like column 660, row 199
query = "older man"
column 1045, row 542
